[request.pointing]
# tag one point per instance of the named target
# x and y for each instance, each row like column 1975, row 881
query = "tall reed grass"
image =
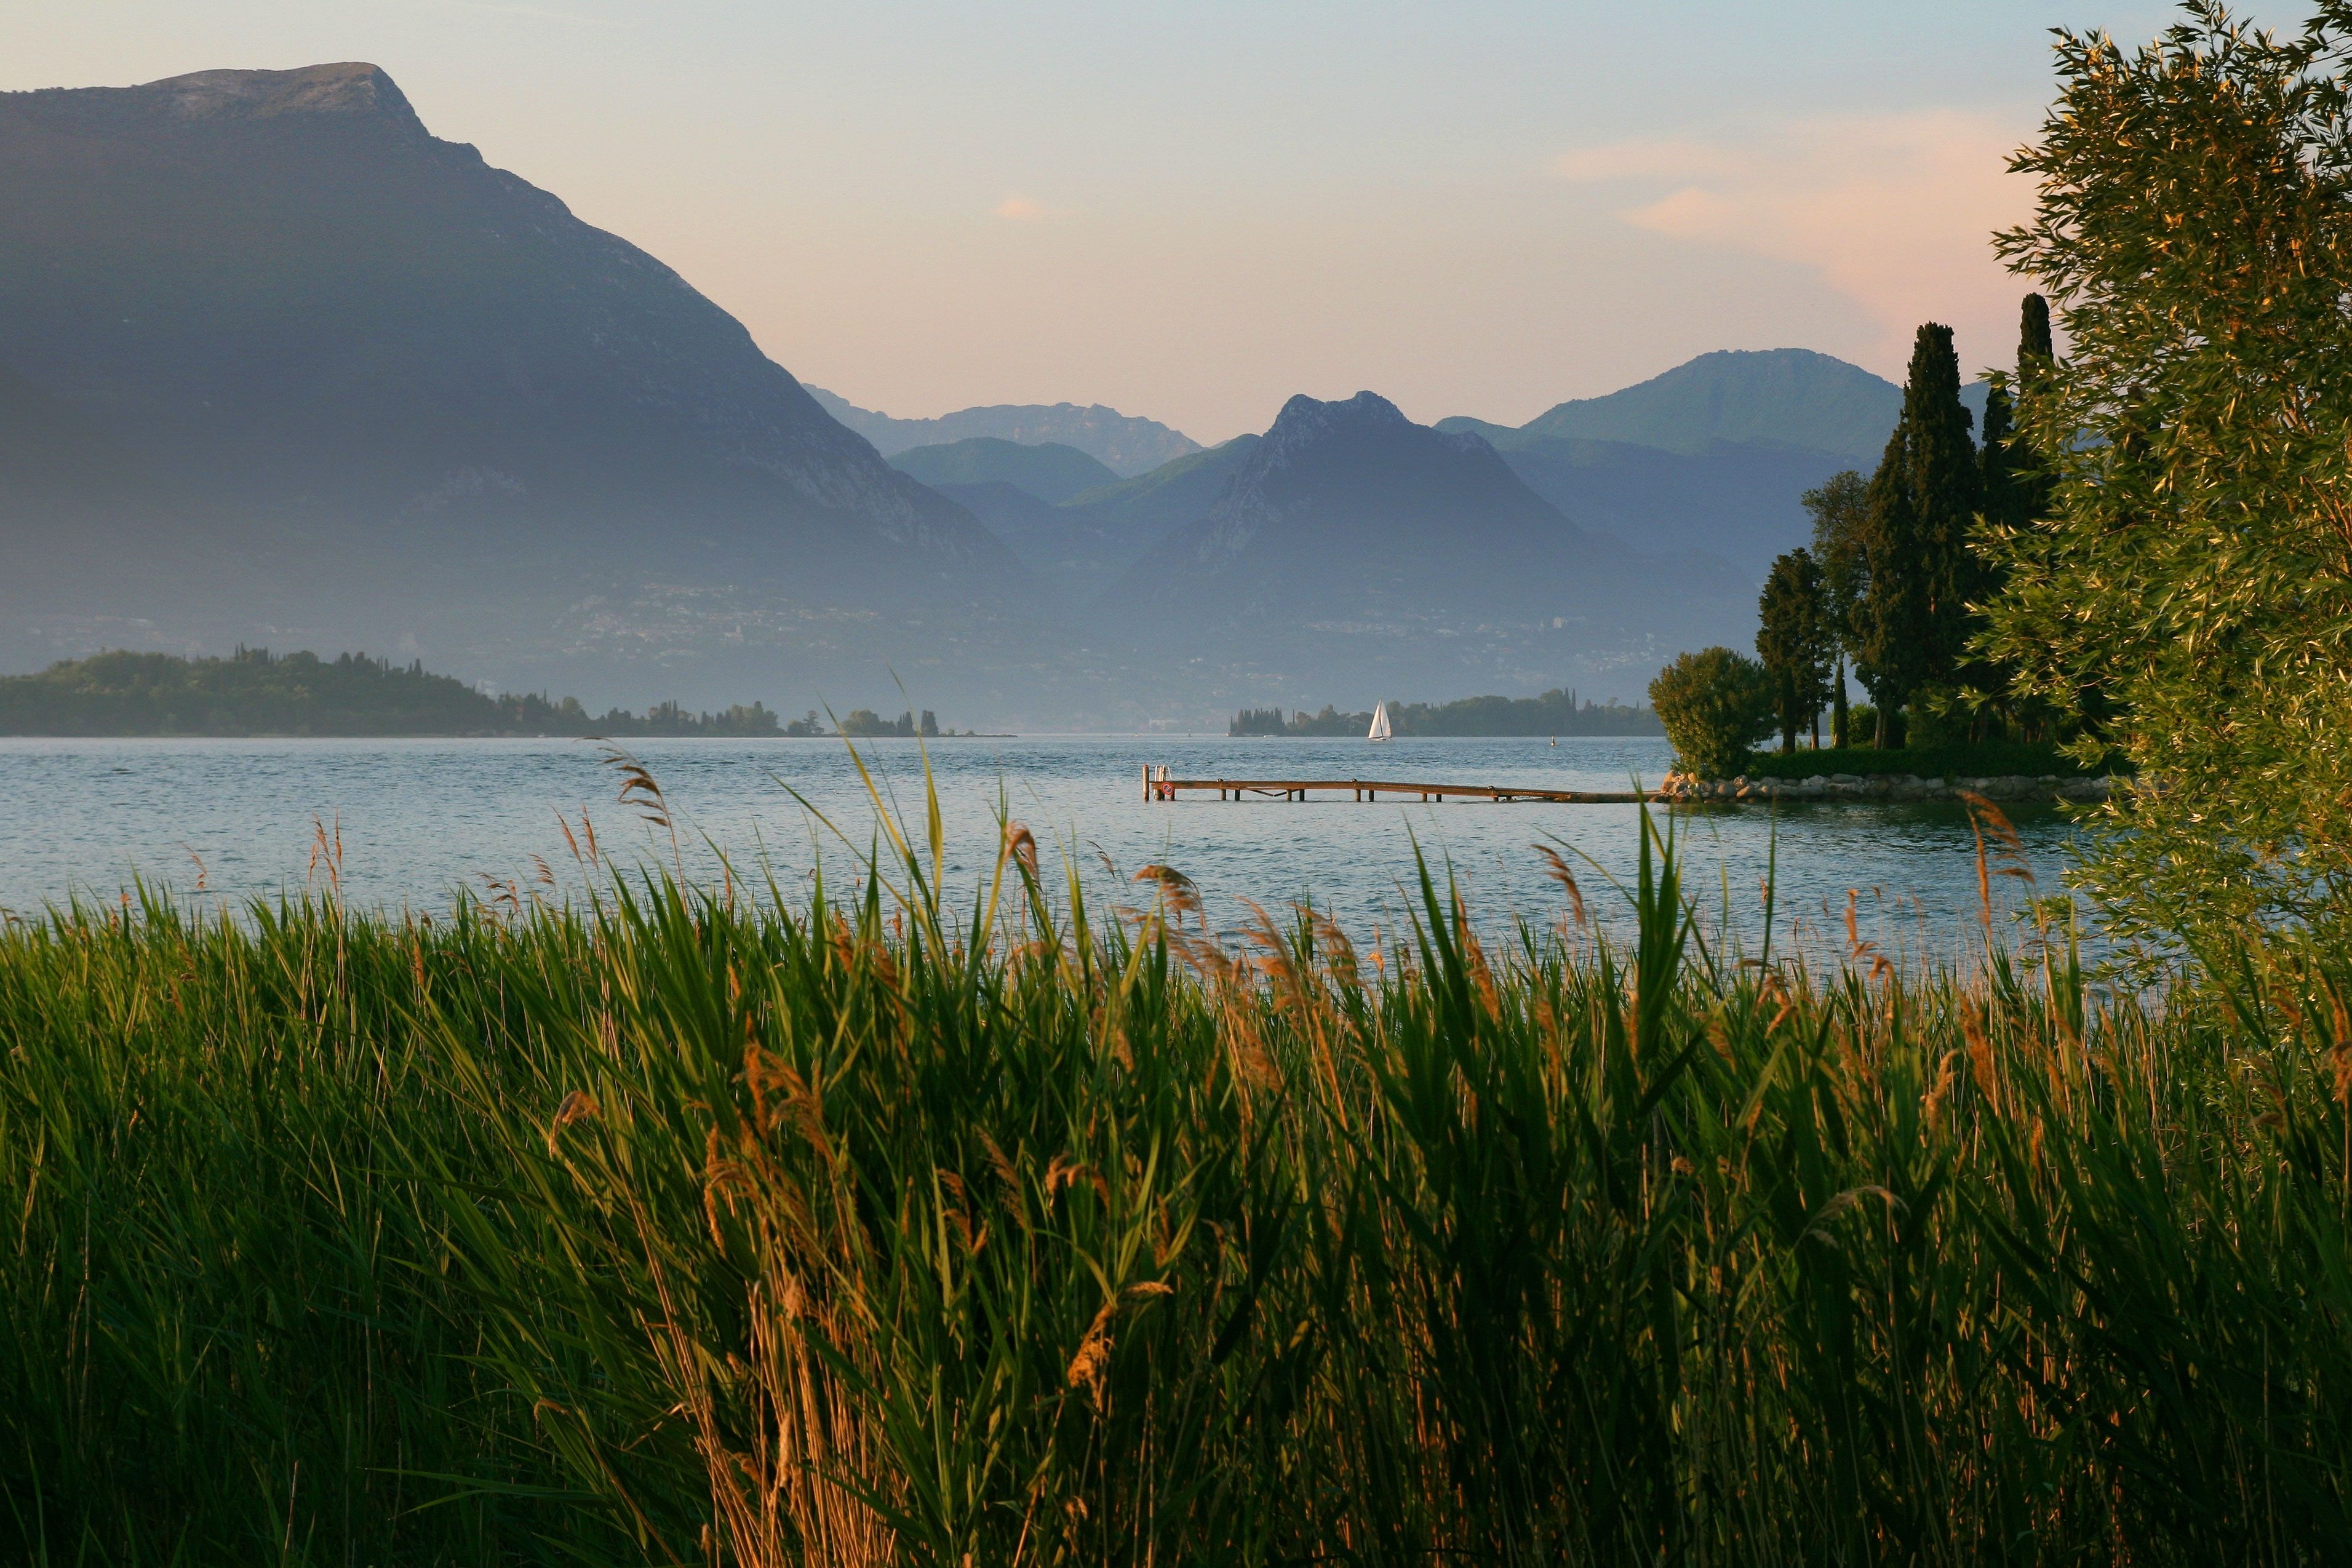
column 708, row 1224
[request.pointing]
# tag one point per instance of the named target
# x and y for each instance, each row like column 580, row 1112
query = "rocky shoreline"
column 1883, row 787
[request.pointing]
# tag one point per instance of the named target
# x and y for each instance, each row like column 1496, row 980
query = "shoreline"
column 1866, row 789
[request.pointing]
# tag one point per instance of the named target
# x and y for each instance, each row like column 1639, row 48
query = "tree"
column 2192, row 573
column 2002, row 487
column 2014, row 491
column 1792, row 638
column 1891, row 656
column 1923, row 507
column 2036, row 357
column 1949, row 487
column 1713, row 704
column 1841, row 510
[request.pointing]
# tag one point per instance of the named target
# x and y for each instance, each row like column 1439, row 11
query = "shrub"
column 1715, row 704
column 1939, row 721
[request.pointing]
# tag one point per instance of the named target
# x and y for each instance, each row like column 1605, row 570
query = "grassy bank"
column 709, row 1225
column 1997, row 759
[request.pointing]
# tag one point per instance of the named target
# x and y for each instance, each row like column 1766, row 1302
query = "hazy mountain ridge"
column 1791, row 397
column 1713, row 456
column 1049, row 471
column 1073, row 552
column 1352, row 543
column 1077, row 547
column 385, row 395
column 1126, row 444
column 1738, row 501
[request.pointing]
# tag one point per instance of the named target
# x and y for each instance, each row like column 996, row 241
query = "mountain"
column 1353, row 548
column 1091, row 540
column 1790, row 397
column 326, row 378
column 1123, row 443
column 279, row 366
column 1711, row 456
column 1774, row 397
column 1735, row 501
column 1079, row 547
column 1051, row 472
column 1175, row 493
column 1072, row 553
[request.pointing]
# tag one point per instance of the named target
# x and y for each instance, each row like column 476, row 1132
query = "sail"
column 1379, row 723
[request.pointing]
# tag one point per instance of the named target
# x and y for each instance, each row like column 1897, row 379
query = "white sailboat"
column 1379, row 724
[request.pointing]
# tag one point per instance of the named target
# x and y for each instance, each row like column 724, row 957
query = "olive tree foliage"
column 1715, row 704
column 2187, row 595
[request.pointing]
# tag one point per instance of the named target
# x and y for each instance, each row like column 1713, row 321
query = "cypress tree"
column 2003, row 484
column 1792, row 638
column 1947, row 487
column 1891, row 658
column 2034, row 333
column 2003, row 503
column 1841, row 510
column 2014, row 491
column 2035, row 361
column 1923, row 502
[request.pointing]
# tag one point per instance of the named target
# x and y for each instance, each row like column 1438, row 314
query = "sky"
column 1192, row 211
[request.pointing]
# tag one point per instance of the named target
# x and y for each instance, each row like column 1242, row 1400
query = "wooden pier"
column 1158, row 786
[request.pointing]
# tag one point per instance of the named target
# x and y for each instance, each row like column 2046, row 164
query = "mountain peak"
column 350, row 91
column 1353, row 545
column 1304, row 416
column 348, row 86
column 1791, row 397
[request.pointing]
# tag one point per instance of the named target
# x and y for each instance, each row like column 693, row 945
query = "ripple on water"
column 420, row 817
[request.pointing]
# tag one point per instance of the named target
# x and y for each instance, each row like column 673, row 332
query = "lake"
column 419, row 818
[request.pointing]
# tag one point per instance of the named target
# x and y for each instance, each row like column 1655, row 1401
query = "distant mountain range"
column 1351, row 544
column 1708, row 459
column 1123, row 443
column 279, row 367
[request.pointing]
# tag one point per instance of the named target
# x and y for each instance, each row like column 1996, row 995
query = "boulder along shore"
column 1883, row 787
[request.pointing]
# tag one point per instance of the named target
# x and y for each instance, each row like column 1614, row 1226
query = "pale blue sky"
column 1194, row 210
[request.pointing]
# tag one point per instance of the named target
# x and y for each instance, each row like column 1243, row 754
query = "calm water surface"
column 420, row 819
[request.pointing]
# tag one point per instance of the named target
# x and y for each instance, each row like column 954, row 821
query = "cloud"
column 1895, row 212
column 1021, row 209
